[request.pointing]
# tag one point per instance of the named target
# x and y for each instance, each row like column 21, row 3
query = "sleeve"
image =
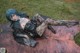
column 25, row 39
column 22, row 35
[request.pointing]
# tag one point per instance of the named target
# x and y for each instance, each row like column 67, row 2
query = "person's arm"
column 25, row 39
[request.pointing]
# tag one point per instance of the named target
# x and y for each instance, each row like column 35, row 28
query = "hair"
column 22, row 14
column 9, row 13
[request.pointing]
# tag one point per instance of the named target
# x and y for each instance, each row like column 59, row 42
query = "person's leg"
column 67, row 23
column 38, row 18
column 41, row 28
column 57, row 22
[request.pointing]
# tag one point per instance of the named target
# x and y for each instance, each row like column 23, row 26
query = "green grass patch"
column 77, row 38
column 57, row 9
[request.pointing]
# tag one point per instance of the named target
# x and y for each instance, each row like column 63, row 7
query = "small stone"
column 2, row 50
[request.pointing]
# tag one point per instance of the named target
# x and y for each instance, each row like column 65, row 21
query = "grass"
column 77, row 38
column 56, row 9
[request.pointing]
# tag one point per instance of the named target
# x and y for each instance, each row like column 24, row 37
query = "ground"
column 56, row 9
column 61, row 42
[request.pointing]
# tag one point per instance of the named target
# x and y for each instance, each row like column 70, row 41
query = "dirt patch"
column 61, row 42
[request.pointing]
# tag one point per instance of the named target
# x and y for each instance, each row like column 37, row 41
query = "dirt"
column 61, row 42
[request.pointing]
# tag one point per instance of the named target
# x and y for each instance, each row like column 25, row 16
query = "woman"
column 26, row 29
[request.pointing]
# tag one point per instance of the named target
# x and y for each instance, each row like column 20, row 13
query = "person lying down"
column 26, row 29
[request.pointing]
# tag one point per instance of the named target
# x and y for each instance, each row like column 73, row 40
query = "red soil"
column 61, row 42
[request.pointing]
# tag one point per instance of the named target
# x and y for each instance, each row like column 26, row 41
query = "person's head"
column 13, row 15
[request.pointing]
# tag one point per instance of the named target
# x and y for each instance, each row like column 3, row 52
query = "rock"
column 2, row 50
